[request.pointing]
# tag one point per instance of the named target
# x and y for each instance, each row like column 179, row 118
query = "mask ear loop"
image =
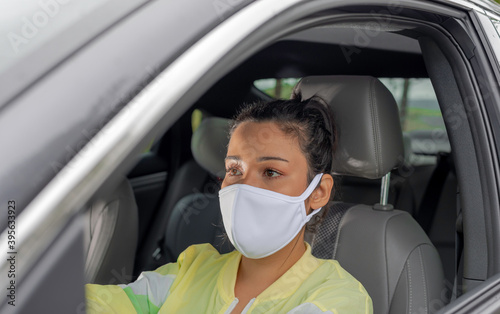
column 314, row 212
column 312, row 186
column 310, row 189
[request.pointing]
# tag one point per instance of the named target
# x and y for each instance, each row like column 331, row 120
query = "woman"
column 278, row 167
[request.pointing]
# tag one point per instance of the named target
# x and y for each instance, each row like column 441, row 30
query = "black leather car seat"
column 190, row 213
column 190, row 178
column 196, row 218
column 110, row 237
column 382, row 247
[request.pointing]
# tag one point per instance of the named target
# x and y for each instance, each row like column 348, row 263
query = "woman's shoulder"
column 204, row 250
column 334, row 289
column 336, row 277
column 334, row 270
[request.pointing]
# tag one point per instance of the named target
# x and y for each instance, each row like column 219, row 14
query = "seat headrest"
column 370, row 141
column 209, row 145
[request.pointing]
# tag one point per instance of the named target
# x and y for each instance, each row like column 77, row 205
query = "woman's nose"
column 250, row 179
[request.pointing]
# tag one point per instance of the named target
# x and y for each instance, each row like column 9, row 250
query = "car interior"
column 396, row 212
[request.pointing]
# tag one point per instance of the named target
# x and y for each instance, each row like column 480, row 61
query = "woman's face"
column 261, row 155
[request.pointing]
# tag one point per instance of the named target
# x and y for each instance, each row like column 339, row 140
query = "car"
column 93, row 93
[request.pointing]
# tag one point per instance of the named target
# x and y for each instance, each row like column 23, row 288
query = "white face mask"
column 260, row 222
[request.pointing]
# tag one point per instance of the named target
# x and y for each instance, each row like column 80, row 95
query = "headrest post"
column 384, row 194
column 384, row 188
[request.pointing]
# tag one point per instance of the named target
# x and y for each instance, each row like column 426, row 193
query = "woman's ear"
column 321, row 195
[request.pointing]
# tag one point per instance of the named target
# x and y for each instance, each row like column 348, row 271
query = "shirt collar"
column 282, row 288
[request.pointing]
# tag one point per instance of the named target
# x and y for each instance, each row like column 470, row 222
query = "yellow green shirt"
column 202, row 281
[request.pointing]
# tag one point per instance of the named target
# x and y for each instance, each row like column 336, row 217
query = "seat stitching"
column 423, row 278
column 409, row 286
column 389, row 297
column 375, row 127
column 408, row 259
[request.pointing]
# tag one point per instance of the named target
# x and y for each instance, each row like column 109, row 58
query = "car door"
column 48, row 116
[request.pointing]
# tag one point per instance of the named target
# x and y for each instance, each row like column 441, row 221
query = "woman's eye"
column 233, row 172
column 271, row 173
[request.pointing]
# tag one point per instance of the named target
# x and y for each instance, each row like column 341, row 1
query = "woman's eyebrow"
column 265, row 158
column 233, row 158
column 260, row 159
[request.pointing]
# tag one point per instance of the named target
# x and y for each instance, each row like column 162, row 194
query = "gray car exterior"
column 75, row 114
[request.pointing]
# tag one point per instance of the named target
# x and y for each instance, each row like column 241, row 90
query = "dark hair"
column 311, row 122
